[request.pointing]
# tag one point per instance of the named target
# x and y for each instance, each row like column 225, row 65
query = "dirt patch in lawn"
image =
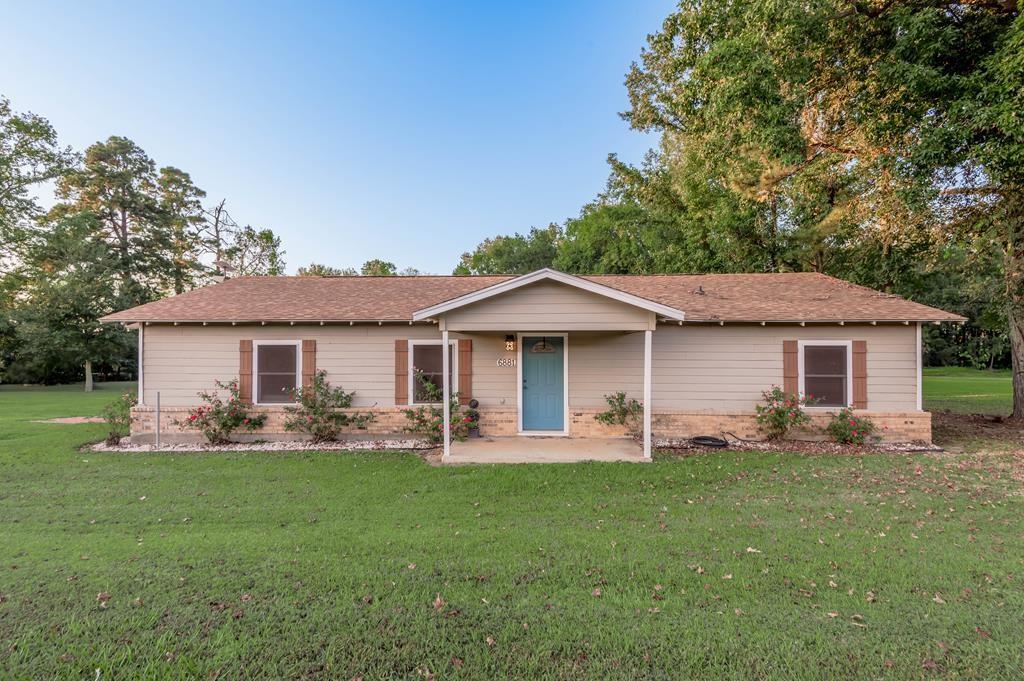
column 951, row 427
column 65, row 420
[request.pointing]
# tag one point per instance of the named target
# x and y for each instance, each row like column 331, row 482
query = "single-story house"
column 540, row 352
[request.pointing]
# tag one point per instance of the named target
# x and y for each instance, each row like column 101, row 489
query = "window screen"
column 275, row 372
column 825, row 379
column 427, row 360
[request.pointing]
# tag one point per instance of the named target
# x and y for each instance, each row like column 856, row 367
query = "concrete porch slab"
column 525, row 449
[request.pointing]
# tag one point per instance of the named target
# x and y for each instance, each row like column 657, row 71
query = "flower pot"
column 473, row 432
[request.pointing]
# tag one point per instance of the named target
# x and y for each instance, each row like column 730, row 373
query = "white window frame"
column 256, row 373
column 454, row 344
column 848, row 344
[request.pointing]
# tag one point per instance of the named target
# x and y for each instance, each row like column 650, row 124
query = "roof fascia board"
column 548, row 274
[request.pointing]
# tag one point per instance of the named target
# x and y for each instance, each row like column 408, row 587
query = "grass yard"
column 725, row 565
column 967, row 391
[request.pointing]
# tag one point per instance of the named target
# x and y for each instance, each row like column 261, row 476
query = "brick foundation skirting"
column 504, row 421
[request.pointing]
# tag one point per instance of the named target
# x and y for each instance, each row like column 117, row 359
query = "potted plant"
column 471, row 417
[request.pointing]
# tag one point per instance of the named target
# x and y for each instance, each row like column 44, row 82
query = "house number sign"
column 506, row 361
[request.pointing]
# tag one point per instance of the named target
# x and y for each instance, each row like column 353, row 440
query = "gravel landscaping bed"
column 284, row 446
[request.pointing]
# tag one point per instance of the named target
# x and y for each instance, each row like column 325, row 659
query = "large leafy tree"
column 117, row 184
column 69, row 281
column 378, row 268
column 181, row 216
column 515, row 254
column 29, row 156
column 833, row 128
column 255, row 252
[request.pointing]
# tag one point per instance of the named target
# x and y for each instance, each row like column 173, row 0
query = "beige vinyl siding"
column 695, row 367
column 180, row 361
column 725, row 368
column 601, row 364
column 493, row 386
column 548, row 306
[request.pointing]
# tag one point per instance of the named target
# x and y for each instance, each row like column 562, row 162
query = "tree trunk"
column 1013, row 273
column 88, row 376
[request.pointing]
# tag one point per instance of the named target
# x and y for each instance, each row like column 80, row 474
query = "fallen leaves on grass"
column 596, row 593
column 938, row 599
column 439, row 603
column 102, row 598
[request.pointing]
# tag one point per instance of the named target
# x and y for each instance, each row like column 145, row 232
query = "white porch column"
column 648, row 337
column 142, row 374
column 446, row 370
column 920, row 361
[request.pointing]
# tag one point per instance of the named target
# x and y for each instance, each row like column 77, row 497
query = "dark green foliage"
column 118, row 417
column 318, row 411
column 67, row 280
column 123, row 233
column 427, row 420
column 516, row 254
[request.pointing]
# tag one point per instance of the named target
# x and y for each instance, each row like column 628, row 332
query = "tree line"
column 878, row 141
column 121, row 232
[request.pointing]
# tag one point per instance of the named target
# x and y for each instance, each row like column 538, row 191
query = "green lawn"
column 967, row 391
column 376, row 565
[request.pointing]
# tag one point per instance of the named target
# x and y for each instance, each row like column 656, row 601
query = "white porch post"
column 648, row 337
column 920, row 361
column 142, row 373
column 446, row 370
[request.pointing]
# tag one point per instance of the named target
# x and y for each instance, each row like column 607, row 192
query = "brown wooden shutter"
column 245, row 371
column 465, row 370
column 401, row 371
column 860, row 374
column 308, row 362
column 790, row 379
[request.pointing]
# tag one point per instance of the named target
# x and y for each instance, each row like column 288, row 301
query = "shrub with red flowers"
column 317, row 411
column 849, row 429
column 217, row 418
column 781, row 412
column 427, row 420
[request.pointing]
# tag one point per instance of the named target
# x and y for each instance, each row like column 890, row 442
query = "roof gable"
column 547, row 274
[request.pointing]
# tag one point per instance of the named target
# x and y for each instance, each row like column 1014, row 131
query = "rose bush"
column 218, row 418
column 850, row 429
column 317, row 411
column 781, row 412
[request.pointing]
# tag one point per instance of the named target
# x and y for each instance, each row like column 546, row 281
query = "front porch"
column 539, row 316
column 544, row 450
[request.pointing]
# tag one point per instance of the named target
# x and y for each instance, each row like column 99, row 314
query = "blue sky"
column 403, row 130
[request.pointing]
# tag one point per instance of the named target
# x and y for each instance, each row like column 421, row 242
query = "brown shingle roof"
column 703, row 297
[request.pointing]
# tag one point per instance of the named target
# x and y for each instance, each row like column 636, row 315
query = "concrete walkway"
column 525, row 449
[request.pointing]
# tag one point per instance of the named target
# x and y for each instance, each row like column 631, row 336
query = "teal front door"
column 543, row 383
